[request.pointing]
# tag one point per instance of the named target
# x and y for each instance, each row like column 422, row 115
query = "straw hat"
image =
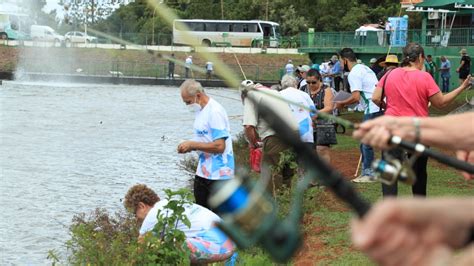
column 463, row 51
column 390, row 59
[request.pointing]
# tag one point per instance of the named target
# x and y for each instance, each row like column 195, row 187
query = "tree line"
column 294, row 16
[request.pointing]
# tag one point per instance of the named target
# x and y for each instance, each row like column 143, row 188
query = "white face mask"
column 194, row 107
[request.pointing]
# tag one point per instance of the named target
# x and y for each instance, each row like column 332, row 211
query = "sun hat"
column 390, row 59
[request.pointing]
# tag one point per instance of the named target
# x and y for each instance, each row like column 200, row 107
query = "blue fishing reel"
column 250, row 216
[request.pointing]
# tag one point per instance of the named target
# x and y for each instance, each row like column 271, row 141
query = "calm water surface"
column 66, row 149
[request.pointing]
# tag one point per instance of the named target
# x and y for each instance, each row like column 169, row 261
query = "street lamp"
column 153, row 28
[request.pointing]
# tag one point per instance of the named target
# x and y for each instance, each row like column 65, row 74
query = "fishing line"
column 241, row 70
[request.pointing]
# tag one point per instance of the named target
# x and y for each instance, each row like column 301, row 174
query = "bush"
column 100, row 238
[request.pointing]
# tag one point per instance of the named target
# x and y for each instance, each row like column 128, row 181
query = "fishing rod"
column 394, row 140
column 250, row 213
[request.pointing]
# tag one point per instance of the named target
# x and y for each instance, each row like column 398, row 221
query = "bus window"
column 254, row 28
column 179, row 26
column 211, row 26
column 267, row 30
column 277, row 31
column 238, row 27
column 223, row 27
column 245, row 28
column 197, row 26
column 14, row 23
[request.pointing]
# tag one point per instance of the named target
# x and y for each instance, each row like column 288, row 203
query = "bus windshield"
column 276, row 29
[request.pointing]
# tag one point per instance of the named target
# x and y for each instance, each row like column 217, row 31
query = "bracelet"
column 416, row 123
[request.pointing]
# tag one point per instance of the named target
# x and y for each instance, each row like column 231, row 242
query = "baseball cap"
column 304, row 68
column 373, row 60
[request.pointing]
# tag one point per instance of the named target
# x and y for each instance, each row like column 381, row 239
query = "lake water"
column 66, row 149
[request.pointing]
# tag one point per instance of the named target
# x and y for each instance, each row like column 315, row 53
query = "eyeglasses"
column 312, row 82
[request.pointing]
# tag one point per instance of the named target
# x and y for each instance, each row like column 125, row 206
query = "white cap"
column 373, row 60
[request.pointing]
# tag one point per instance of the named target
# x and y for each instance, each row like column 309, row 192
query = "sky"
column 51, row 5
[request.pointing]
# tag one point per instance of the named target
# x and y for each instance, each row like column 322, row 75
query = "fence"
column 433, row 37
column 166, row 39
column 75, row 66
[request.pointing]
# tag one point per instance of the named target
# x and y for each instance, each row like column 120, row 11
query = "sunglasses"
column 312, row 82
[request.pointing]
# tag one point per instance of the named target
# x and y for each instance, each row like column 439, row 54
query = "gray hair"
column 288, row 81
column 191, row 86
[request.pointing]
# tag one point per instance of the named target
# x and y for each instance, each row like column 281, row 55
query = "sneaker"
column 364, row 179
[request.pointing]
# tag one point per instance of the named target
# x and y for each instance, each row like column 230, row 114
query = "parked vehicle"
column 244, row 33
column 45, row 33
column 13, row 26
column 79, row 37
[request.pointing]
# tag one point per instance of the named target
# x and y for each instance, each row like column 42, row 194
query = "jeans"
column 445, row 79
column 367, row 151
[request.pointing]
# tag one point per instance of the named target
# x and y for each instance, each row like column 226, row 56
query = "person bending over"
column 205, row 241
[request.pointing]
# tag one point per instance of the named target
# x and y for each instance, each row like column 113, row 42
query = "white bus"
column 255, row 33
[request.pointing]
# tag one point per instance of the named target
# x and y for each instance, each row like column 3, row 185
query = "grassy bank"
column 94, row 61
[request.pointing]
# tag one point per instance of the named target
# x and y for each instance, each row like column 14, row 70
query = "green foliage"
column 293, row 16
column 102, row 239
column 165, row 244
column 99, row 238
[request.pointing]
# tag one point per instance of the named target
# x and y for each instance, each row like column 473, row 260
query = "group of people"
column 396, row 103
column 431, row 67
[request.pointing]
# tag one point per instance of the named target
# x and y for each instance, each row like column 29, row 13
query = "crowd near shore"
column 394, row 96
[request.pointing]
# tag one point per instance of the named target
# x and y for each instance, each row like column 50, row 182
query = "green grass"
column 334, row 217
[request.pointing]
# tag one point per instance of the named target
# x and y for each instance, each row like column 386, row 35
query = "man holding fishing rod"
column 212, row 140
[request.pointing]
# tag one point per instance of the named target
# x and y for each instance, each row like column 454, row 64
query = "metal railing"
column 431, row 37
column 166, row 39
column 137, row 69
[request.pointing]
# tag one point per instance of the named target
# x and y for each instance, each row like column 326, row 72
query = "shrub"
column 100, row 238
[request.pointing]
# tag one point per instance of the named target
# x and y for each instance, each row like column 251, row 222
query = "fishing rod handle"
column 442, row 158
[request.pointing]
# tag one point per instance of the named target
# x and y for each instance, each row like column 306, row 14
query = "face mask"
column 194, row 107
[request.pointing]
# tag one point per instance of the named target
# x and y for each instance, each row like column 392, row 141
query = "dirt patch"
column 313, row 248
column 346, row 162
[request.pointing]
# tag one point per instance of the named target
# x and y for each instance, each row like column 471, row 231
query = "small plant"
column 165, row 244
column 104, row 239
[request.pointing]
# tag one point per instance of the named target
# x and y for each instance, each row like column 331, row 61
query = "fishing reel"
column 250, row 216
column 391, row 169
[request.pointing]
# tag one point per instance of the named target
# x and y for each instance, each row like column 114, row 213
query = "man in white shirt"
column 206, row 242
column 362, row 81
column 303, row 116
column 290, row 68
column 209, row 69
column 388, row 31
column 212, row 140
column 256, row 129
column 187, row 65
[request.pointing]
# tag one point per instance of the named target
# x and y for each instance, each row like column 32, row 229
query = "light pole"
column 153, row 27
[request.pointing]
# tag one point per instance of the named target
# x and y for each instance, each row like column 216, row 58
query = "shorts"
column 210, row 246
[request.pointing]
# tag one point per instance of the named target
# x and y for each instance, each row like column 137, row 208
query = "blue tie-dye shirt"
column 211, row 124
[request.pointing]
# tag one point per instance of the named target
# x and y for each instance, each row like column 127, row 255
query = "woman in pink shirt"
column 407, row 91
